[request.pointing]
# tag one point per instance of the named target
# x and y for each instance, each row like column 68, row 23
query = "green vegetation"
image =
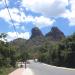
column 7, row 56
column 59, row 54
column 10, row 54
column 6, row 70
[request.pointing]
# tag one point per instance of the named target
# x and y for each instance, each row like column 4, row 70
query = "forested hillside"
column 60, row 54
column 53, row 48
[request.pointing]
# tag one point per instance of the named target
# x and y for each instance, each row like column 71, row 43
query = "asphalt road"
column 37, row 68
column 44, row 69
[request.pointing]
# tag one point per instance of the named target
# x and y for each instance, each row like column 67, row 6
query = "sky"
column 43, row 14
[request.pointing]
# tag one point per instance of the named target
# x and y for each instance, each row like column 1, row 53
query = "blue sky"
column 43, row 14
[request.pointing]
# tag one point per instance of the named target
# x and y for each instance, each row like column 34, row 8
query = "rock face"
column 36, row 38
column 55, row 34
column 36, row 32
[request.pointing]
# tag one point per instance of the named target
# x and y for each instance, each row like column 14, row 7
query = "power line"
column 10, row 17
column 12, row 22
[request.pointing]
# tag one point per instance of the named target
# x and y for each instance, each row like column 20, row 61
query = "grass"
column 6, row 71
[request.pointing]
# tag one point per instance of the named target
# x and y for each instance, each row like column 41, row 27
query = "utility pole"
column 25, row 65
column 25, row 59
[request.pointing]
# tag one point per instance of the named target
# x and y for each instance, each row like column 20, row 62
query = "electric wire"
column 12, row 21
column 11, row 18
column 6, row 6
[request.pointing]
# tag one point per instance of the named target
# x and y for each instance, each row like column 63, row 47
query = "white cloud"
column 4, row 14
column 50, row 8
column 40, row 21
column 18, row 18
column 72, row 2
column 70, row 15
column 43, row 21
column 15, row 14
column 71, row 18
column 12, row 35
column 2, row 3
column 29, row 19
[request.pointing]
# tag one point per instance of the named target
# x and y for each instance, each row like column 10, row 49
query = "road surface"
column 44, row 69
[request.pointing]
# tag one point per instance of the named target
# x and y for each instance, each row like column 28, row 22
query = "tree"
column 7, row 53
column 24, row 56
column 3, row 36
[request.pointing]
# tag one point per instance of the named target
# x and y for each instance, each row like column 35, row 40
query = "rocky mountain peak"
column 36, row 32
column 38, row 39
column 55, row 34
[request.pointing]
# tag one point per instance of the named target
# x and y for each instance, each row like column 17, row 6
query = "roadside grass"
column 6, row 71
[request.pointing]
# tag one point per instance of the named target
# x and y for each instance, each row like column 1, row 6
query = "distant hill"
column 19, row 44
column 38, row 39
